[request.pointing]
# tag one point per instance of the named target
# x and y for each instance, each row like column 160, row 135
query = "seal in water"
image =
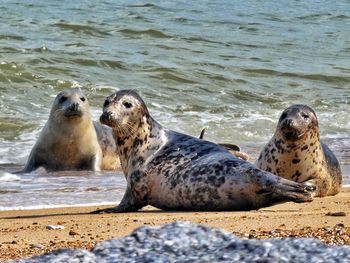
column 295, row 152
column 232, row 148
column 70, row 140
column 174, row 171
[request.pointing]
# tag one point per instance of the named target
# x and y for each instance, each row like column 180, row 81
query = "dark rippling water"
column 230, row 66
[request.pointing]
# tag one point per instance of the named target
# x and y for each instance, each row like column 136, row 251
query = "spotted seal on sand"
column 295, row 152
column 70, row 140
column 174, row 171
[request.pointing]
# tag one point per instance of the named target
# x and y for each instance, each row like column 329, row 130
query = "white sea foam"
column 8, row 177
column 36, row 207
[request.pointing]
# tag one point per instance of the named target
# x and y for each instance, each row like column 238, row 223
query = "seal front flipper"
column 129, row 203
column 32, row 164
column 92, row 163
column 293, row 191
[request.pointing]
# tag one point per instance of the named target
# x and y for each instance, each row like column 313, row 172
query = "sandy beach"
column 24, row 233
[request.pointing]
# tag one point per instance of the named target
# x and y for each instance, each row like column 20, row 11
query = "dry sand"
column 24, row 233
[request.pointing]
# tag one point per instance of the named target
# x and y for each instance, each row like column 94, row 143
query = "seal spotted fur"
column 174, row 171
column 295, row 152
column 71, row 141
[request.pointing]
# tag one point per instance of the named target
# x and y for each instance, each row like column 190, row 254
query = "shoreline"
column 24, row 232
column 107, row 204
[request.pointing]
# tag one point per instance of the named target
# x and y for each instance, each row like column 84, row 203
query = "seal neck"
column 137, row 149
column 72, row 127
column 309, row 142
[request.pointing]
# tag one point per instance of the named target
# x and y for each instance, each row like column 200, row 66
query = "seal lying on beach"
column 295, row 152
column 174, row 171
column 232, row 148
column 70, row 140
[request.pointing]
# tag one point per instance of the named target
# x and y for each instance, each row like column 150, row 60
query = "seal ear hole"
column 127, row 104
column 62, row 99
column 82, row 99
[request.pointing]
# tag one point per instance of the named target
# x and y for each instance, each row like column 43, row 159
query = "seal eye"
column 106, row 103
column 62, row 99
column 127, row 104
column 305, row 116
column 283, row 115
column 82, row 99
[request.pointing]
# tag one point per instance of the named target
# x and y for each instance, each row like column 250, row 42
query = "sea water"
column 229, row 66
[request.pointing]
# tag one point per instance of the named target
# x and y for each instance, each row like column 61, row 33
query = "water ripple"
column 149, row 32
column 79, row 28
column 317, row 77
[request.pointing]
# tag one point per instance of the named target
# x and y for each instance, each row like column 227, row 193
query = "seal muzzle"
column 106, row 118
column 73, row 110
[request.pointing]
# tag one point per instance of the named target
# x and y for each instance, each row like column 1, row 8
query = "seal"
column 175, row 171
column 70, row 140
column 295, row 152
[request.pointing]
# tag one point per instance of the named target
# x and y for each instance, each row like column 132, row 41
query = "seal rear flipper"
column 241, row 155
column 201, row 135
column 234, row 149
column 230, row 147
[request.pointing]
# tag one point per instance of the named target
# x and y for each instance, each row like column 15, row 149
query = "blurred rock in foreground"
column 187, row 242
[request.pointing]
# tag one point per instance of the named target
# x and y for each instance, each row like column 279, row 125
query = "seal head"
column 296, row 121
column 295, row 152
column 70, row 104
column 69, row 138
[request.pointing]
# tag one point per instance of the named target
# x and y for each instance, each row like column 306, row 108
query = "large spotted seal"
column 174, row 171
column 70, row 140
column 295, row 152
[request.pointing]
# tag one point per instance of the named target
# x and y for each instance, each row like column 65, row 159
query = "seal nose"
column 74, row 107
column 105, row 117
column 288, row 123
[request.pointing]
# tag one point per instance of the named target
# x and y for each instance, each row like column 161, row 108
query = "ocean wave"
column 317, row 77
column 314, row 18
column 79, row 28
column 100, row 63
column 173, row 77
column 12, row 37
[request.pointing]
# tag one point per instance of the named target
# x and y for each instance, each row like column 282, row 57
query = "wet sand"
column 24, row 233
